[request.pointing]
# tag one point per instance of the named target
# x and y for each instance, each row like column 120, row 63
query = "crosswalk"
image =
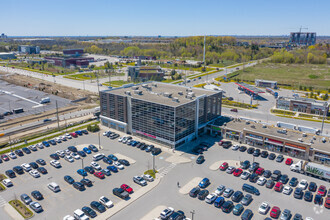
column 167, row 170
column 2, row 201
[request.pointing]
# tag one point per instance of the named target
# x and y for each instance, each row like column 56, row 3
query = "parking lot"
column 13, row 97
column 69, row 199
column 168, row 193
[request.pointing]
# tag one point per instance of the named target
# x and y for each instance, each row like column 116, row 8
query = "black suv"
column 264, row 154
column 251, row 150
column 18, row 170
column 98, row 206
column 194, row 192
column 10, row 174
column 37, row 195
column 156, row 151
column 202, row 194
column 89, row 212
column 237, row 196
column 242, row 148
column 54, row 156
column 79, row 186
column 298, row 193
column 245, row 164
column 256, row 153
column 276, row 175
column 271, row 156
column 267, row 173
column 120, row 193
column 86, row 182
column 73, row 149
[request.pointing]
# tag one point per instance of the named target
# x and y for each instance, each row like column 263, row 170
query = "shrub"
column 93, row 128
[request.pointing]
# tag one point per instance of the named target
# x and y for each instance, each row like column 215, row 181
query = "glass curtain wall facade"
column 154, row 119
column 185, row 120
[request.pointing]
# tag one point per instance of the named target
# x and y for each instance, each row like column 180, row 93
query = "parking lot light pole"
column 153, row 163
column 192, row 214
column 82, row 165
column 99, row 141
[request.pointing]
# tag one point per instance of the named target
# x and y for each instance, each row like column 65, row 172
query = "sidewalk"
column 12, row 212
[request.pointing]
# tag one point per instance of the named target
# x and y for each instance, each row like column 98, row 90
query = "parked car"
column 247, row 215
column 223, row 166
column 99, row 175
column 264, row 154
column 10, row 174
column 106, row 202
column 293, row 182
column 202, row 194
column 69, row 179
column 7, row 182
column 148, row 178
column 264, row 208
column 120, row 193
column 26, row 199
column 238, row 209
column 237, row 196
column 98, row 206
column 87, row 150
column 139, row 180
column 194, row 192
column 210, row 198
column 204, row 183
column 245, row 175
column 35, row 206
column 288, row 161
column 279, row 158
column 275, row 212
column 308, row 196
column 298, row 193
column 322, row 191
column 227, row 206
column 267, row 173
column 247, row 199
column 228, row 192
column 127, row 188
column 166, row 213
column 200, row 159
column 87, row 182
column 82, row 172
column 271, row 156
column 79, row 186
column 303, row 184
column 37, row 195
column 89, row 212
column 287, row 190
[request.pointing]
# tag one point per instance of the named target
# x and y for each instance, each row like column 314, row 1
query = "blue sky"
column 158, row 17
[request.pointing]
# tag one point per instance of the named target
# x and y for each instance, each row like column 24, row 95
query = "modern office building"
column 6, row 56
column 302, row 38
column 145, row 73
column 73, row 52
column 70, row 61
column 266, row 83
column 304, row 105
column 28, row 49
column 165, row 113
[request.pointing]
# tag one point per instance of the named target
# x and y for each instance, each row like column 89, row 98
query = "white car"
column 12, row 155
column 55, row 163
column 68, row 136
column 148, row 177
column 235, row 147
column 165, row 214
column 32, row 147
column 220, row 190
column 120, row 139
column 263, row 208
column 34, row 173
column 60, row 153
column 7, row 182
column 210, row 198
column 40, row 145
column 245, row 175
column 26, row 167
column 118, row 165
column 58, row 140
column 230, row 169
column 67, row 152
column 69, row 158
column 287, row 190
column 68, row 217
column 124, row 141
column 105, row 133
column 106, row 202
column 261, row 181
column 75, row 156
column 303, row 184
column 63, row 138
column 95, row 165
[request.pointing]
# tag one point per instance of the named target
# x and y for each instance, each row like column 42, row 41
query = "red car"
column 233, row 110
column 224, row 166
column 322, row 190
column 327, row 202
column 260, row 171
column 278, row 187
column 288, row 161
column 238, row 172
column 127, row 188
column 275, row 212
column 99, row 175
column 74, row 135
column 4, row 157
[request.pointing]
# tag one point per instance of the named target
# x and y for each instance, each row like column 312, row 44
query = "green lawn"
column 294, row 75
column 116, row 83
column 88, row 76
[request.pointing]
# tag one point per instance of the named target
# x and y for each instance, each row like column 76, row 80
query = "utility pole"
column 207, row 75
column 324, row 115
column 58, row 119
column 97, row 80
column 192, row 214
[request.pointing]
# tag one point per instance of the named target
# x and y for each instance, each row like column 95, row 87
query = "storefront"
column 294, row 150
column 232, row 135
column 322, row 158
column 254, row 140
column 273, row 145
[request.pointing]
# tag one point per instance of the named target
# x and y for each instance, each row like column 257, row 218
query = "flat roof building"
column 145, row 73
column 29, row 49
column 304, row 105
column 6, row 56
column 73, row 52
column 70, row 61
column 266, row 83
column 168, row 114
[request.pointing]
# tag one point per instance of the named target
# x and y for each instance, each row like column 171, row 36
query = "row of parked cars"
column 170, row 214
column 217, row 198
column 142, row 146
column 256, row 174
column 33, row 148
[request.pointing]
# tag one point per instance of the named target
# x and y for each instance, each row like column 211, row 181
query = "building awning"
column 295, row 148
column 232, row 134
column 257, row 139
column 274, row 143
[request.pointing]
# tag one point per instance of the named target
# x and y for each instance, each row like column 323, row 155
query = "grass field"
column 117, row 83
column 294, row 75
column 88, row 76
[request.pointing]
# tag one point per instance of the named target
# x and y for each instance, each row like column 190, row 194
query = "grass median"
column 21, row 208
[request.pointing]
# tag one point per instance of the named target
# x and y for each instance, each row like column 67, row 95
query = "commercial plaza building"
column 166, row 113
column 290, row 142
column 305, row 105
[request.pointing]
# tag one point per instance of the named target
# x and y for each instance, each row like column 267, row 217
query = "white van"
column 98, row 157
column 78, row 214
column 54, row 187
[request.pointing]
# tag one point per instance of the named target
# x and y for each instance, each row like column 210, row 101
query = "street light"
column 82, row 165
column 99, row 141
column 192, row 214
column 324, row 114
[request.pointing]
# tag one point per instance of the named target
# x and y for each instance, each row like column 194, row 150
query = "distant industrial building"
column 70, row 61
column 73, row 52
column 145, row 73
column 305, row 105
column 165, row 113
column 6, row 56
column 302, row 38
column 29, row 49
column 266, row 83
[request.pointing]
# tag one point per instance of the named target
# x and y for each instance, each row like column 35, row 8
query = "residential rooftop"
column 161, row 93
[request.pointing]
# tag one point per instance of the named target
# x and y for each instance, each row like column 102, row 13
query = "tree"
column 326, row 97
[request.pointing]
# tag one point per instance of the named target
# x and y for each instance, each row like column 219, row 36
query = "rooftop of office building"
column 161, row 93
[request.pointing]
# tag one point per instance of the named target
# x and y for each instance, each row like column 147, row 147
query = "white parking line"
column 2, row 201
column 167, row 170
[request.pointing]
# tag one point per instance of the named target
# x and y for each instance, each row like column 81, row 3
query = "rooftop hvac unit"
column 180, row 93
column 189, row 97
column 144, row 85
column 154, row 84
column 128, row 92
column 167, row 94
column 175, row 99
column 191, row 94
column 135, row 87
column 138, row 92
column 189, row 90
